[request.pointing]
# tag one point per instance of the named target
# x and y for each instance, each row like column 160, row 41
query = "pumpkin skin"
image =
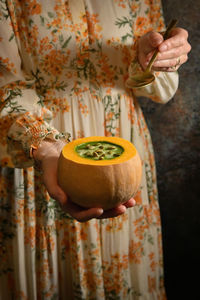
column 101, row 183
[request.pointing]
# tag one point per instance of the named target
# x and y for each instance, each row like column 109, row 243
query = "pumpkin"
column 99, row 171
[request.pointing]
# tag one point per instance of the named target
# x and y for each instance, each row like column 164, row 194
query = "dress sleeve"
column 149, row 16
column 24, row 121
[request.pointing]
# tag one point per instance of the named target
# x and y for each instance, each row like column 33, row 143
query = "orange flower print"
column 140, row 23
column 107, row 132
column 151, row 255
column 5, row 123
column 54, row 62
column 82, row 235
column 117, row 223
column 140, row 230
column 109, row 116
column 153, row 266
column 34, row 8
column 151, row 284
column 45, row 45
column 83, row 108
column 135, row 252
column 153, row 263
column 8, row 65
column 45, row 237
column 30, row 235
column 79, row 134
column 134, row 6
column 60, row 104
column 81, row 59
column 138, row 198
column 62, row 9
column 94, row 27
column 107, row 74
column 113, row 275
column 131, row 109
column 121, row 3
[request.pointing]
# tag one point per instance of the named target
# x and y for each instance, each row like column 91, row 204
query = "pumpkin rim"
column 70, row 153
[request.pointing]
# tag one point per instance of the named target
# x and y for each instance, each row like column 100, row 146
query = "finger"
column 111, row 213
column 151, row 41
column 178, row 38
column 130, row 203
column 170, row 63
column 55, row 190
column 169, row 58
column 174, row 52
column 121, row 209
column 50, row 181
column 155, row 39
column 82, row 214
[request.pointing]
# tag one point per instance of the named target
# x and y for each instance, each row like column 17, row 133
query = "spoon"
column 144, row 78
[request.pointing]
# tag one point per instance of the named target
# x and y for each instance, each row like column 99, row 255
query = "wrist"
column 47, row 148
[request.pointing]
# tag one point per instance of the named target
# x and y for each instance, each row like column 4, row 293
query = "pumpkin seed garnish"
column 99, row 150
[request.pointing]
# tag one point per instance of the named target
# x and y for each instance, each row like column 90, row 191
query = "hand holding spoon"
column 144, row 78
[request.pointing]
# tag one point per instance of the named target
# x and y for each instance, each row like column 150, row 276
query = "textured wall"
column 175, row 129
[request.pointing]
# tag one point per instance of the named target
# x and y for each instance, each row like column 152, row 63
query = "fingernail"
column 133, row 201
column 100, row 211
column 154, row 43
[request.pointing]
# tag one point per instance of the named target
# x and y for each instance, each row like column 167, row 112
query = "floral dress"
column 63, row 69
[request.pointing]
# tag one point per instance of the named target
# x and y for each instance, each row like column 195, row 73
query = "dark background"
column 175, row 130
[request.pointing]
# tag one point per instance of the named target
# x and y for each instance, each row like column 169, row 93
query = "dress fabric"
column 60, row 74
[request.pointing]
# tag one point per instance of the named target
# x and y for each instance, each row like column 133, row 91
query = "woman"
column 64, row 68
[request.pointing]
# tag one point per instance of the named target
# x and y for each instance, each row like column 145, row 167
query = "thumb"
column 55, row 190
column 51, row 183
column 150, row 41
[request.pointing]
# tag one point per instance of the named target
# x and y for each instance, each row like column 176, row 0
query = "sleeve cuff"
column 161, row 90
column 26, row 134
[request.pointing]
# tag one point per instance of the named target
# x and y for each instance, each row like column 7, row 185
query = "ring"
column 178, row 62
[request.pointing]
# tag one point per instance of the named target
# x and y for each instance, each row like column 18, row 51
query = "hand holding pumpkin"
column 173, row 52
column 47, row 155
